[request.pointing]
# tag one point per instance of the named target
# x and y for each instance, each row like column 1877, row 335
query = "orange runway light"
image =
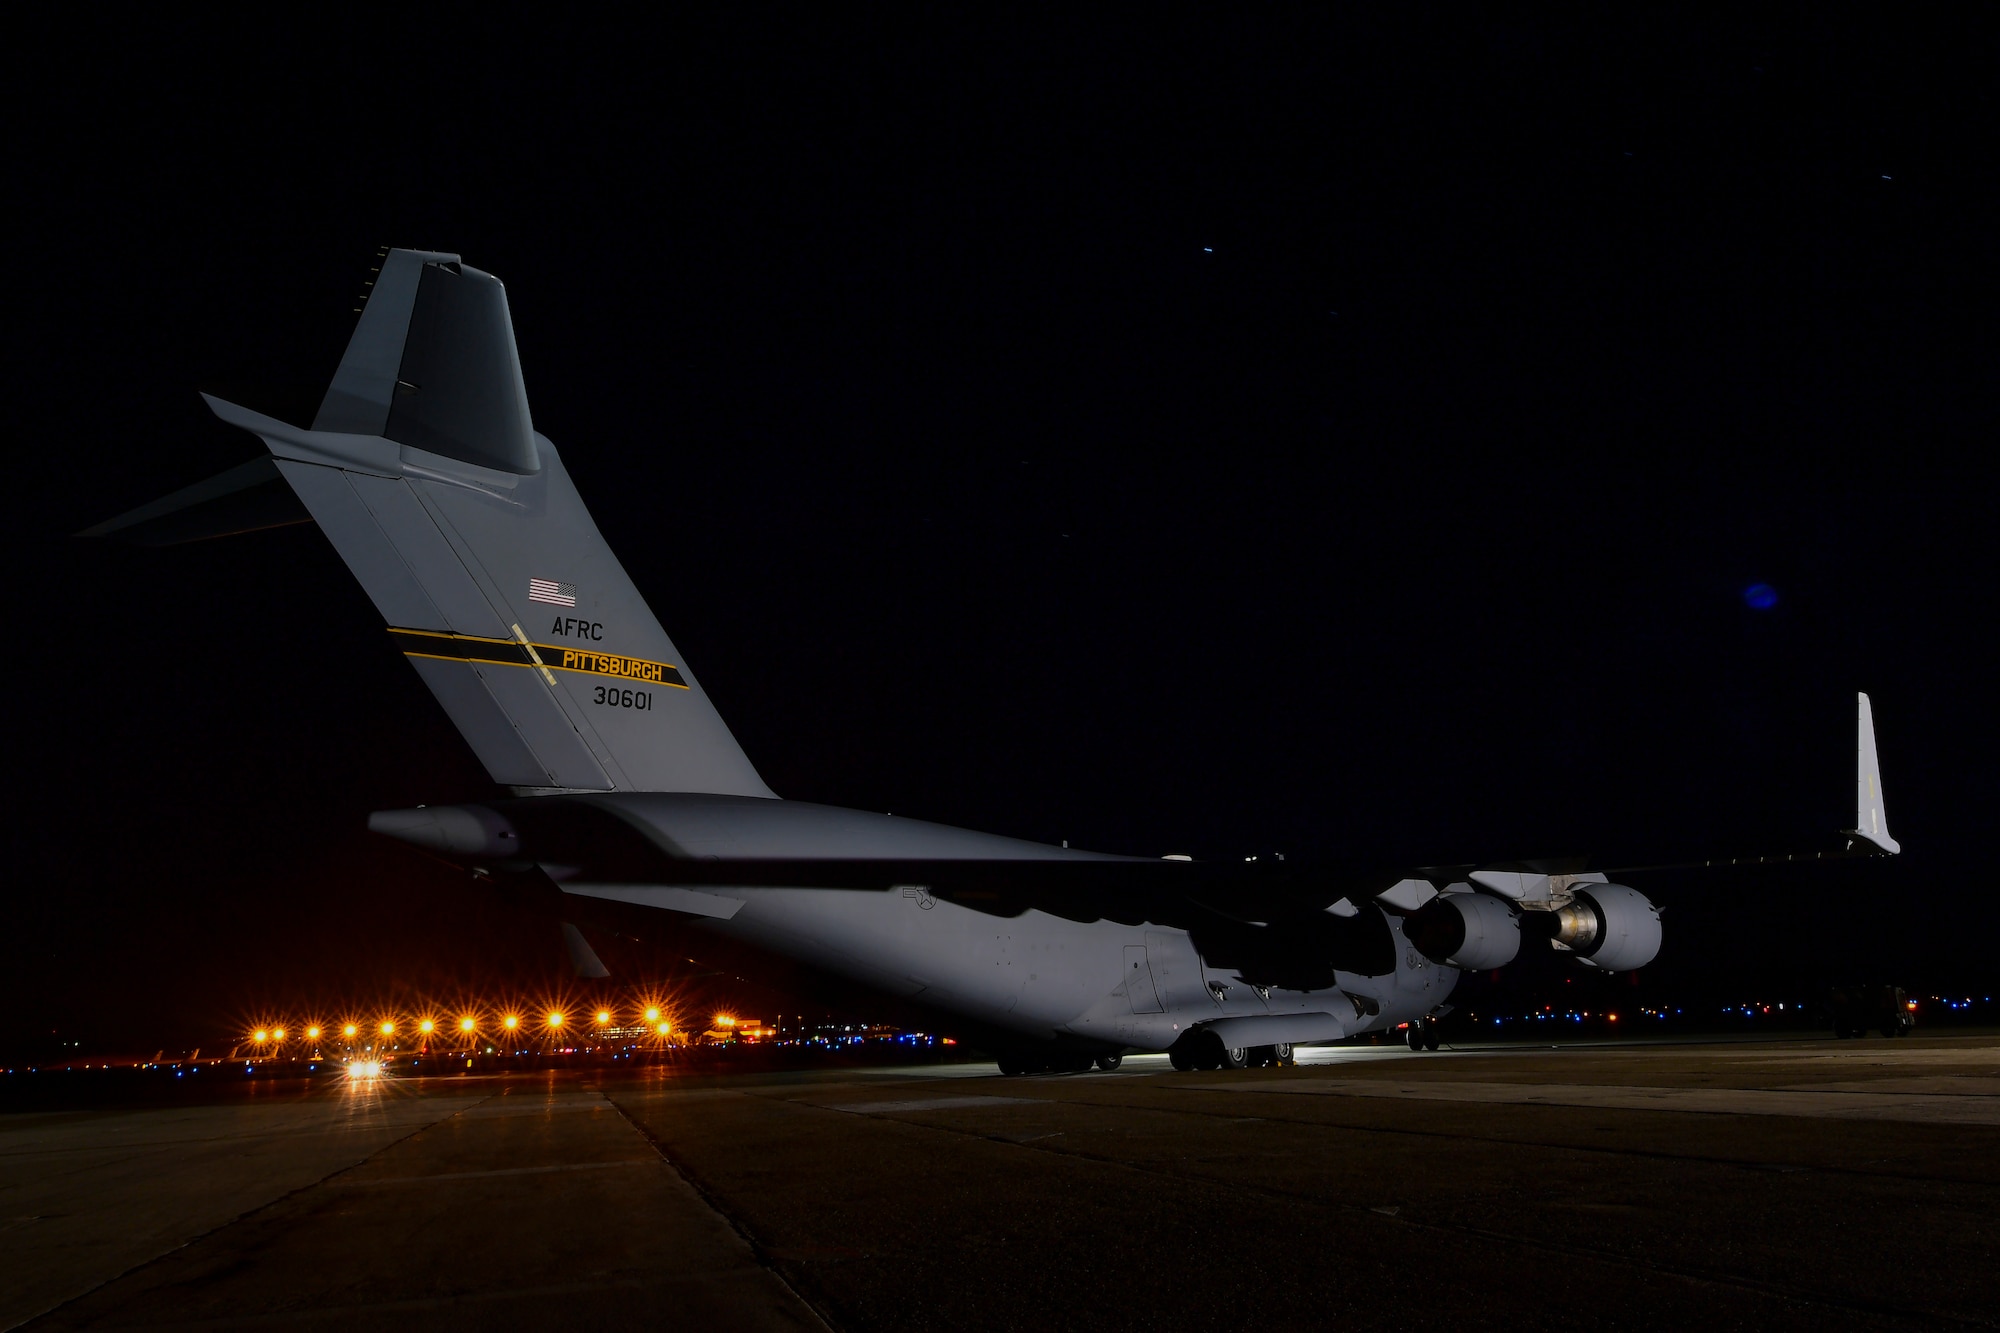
column 388, row 1028
column 466, row 1024
column 510, row 1022
column 427, row 1026
column 312, row 1034
column 277, row 1034
column 555, row 1020
column 350, row 1030
column 653, row 1015
column 260, row 1035
column 664, row 1027
column 603, row 1017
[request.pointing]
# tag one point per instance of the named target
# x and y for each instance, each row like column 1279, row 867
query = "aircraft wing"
column 670, row 848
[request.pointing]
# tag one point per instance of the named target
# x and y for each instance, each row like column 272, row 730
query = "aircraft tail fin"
column 432, row 364
column 424, row 470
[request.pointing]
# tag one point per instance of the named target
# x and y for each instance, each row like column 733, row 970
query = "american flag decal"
column 555, row 594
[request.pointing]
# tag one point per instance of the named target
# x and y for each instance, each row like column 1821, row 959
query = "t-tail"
column 425, row 471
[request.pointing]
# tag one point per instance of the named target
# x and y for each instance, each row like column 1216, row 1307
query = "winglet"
column 1871, row 824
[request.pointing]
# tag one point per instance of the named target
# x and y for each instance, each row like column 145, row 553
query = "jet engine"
column 1609, row 926
column 1470, row 930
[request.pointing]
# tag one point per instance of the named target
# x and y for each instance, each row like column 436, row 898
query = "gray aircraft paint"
column 459, row 520
column 425, row 472
column 1036, row 975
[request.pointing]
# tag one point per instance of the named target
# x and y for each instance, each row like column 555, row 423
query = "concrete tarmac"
column 1770, row 1185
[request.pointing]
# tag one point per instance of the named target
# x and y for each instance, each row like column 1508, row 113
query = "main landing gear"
column 1204, row 1050
column 1063, row 1063
column 1423, row 1034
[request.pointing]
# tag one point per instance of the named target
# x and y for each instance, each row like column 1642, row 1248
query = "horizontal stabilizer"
column 692, row 902
column 247, row 498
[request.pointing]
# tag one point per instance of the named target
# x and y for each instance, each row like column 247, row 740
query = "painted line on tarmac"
column 926, row 1104
column 497, row 1171
column 346, row 1313
column 1918, row 1108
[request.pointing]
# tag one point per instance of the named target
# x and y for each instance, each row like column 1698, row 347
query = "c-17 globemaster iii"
column 632, row 806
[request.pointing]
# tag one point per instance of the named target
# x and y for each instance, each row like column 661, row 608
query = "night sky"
column 1167, row 435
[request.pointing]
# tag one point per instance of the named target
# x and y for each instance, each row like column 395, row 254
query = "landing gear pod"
column 1469, row 930
column 1610, row 926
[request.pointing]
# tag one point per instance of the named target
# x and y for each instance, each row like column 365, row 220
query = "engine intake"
column 1610, row 926
column 1469, row 930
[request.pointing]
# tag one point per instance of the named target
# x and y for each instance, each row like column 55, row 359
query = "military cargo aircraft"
column 632, row 808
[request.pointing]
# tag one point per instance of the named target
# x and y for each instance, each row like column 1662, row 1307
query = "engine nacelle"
column 1473, row 931
column 1610, row 926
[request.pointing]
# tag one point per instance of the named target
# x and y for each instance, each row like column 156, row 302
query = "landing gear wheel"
column 1281, row 1054
column 1178, row 1057
column 1430, row 1036
column 1012, row 1066
column 1109, row 1062
column 1416, row 1035
column 1235, row 1057
column 1207, row 1052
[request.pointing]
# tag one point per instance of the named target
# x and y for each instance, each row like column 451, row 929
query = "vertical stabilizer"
column 363, row 389
column 425, row 471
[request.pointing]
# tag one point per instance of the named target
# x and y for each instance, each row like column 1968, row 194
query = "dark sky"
column 1165, row 434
